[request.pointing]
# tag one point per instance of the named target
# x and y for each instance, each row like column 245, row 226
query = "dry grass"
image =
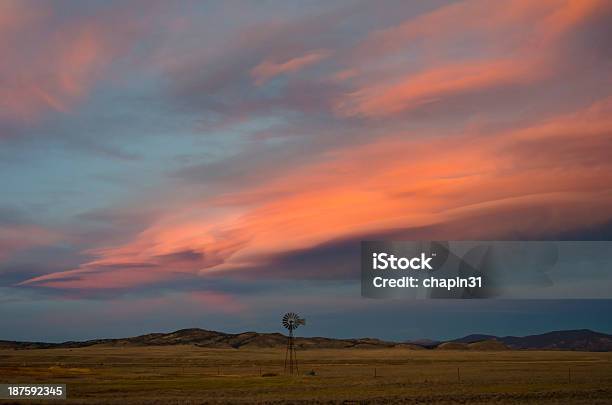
column 192, row 375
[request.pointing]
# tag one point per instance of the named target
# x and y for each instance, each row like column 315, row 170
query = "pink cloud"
column 400, row 178
column 57, row 61
column 559, row 165
column 517, row 43
column 379, row 100
column 16, row 238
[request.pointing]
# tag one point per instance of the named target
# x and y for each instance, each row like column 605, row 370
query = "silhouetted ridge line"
column 580, row 339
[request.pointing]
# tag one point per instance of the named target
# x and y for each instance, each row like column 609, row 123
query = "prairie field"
column 188, row 374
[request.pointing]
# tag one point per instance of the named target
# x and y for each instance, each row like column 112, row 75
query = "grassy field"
column 192, row 375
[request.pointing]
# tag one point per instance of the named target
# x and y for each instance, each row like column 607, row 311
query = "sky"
column 166, row 165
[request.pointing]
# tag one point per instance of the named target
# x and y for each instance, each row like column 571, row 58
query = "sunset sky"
column 166, row 165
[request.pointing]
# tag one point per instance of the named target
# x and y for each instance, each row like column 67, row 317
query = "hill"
column 452, row 346
column 484, row 345
column 424, row 343
column 213, row 339
column 474, row 338
column 582, row 339
column 488, row 345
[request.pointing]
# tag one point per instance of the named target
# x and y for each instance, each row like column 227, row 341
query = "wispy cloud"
column 406, row 183
column 276, row 141
column 50, row 61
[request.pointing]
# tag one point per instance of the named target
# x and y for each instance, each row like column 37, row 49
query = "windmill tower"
column 291, row 321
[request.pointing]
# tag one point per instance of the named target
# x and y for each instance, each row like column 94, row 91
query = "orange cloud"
column 401, row 182
column 428, row 86
column 269, row 69
column 510, row 24
column 513, row 43
column 559, row 168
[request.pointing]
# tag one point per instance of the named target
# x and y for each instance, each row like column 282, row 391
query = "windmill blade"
column 291, row 321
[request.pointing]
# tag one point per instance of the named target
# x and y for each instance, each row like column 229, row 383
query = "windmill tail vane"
column 291, row 321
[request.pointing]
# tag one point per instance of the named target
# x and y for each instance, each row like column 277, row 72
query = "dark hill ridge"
column 425, row 343
column 474, row 338
column 213, row 339
column 579, row 339
column 582, row 339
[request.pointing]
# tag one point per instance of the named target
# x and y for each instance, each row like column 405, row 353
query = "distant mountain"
column 426, row 343
column 474, row 338
column 452, row 346
column 487, row 345
column 582, row 339
column 213, row 339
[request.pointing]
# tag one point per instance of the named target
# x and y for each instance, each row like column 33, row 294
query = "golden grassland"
column 193, row 375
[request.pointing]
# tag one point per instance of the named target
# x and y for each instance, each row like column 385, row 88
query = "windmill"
column 291, row 321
